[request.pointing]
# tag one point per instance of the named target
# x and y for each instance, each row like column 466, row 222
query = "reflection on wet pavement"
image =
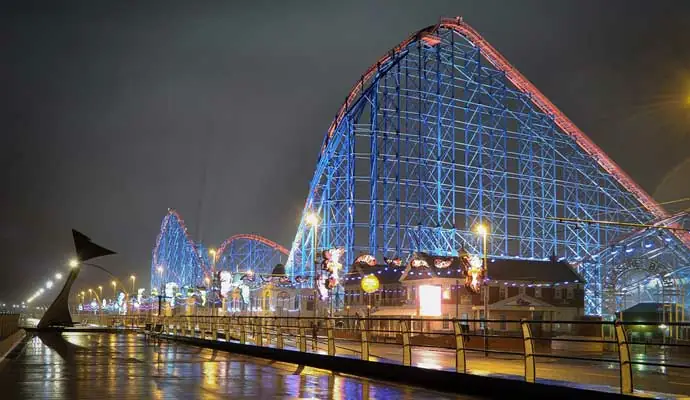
column 126, row 366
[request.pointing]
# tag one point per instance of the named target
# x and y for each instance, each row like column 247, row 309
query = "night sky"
column 111, row 112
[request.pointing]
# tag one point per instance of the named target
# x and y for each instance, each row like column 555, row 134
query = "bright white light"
column 58, row 276
column 429, row 300
column 40, row 291
column 476, row 262
column 663, row 326
column 49, row 284
column 312, row 219
column 73, row 263
column 482, row 229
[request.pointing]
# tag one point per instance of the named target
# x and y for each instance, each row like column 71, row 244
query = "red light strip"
column 256, row 238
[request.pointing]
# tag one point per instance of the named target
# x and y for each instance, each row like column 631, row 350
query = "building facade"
column 518, row 289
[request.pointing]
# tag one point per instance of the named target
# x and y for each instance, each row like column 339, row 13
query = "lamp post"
column 114, row 289
column 132, row 278
column 100, row 307
column 212, row 297
column 100, row 290
column 82, row 299
column 313, row 221
column 160, row 292
column 483, row 231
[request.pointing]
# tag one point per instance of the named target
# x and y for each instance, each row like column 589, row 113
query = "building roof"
column 532, row 271
column 384, row 273
column 436, row 267
column 509, row 270
column 647, row 307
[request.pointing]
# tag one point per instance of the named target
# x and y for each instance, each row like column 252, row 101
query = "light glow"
column 49, row 284
column 429, row 300
column 312, row 219
column 73, row 263
column 482, row 230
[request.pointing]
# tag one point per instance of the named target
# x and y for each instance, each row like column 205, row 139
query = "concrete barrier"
column 9, row 324
column 8, row 344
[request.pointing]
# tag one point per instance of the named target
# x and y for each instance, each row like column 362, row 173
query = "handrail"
column 378, row 340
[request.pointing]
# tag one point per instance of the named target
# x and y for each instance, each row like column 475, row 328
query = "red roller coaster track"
column 255, row 238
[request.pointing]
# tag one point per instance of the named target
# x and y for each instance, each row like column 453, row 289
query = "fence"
column 465, row 346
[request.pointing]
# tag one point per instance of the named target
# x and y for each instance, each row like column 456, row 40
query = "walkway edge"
column 446, row 381
column 10, row 343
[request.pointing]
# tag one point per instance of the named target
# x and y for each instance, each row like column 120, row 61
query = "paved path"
column 601, row 376
column 125, row 366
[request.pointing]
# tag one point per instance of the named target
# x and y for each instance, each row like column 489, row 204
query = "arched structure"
column 646, row 265
column 442, row 134
column 240, row 253
column 176, row 258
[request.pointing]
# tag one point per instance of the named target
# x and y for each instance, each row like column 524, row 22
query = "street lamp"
column 114, row 288
column 100, row 290
column 160, row 276
column 312, row 220
column 58, row 276
column 49, row 284
column 483, row 231
column 132, row 278
column 211, row 297
column 73, row 263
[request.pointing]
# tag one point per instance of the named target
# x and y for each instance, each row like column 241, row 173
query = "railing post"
column 301, row 337
column 460, row 362
column 530, row 367
column 331, row 336
column 365, row 339
column 407, row 346
column 243, row 332
column 625, row 366
column 279, row 337
column 214, row 329
column 259, row 335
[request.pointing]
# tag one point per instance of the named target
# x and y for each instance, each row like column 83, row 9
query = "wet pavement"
column 603, row 376
column 126, row 366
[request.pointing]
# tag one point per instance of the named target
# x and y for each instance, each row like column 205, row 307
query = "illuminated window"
column 429, row 300
column 446, row 294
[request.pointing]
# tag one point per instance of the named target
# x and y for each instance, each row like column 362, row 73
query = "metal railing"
column 532, row 349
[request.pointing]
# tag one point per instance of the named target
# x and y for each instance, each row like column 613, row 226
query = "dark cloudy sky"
column 111, row 112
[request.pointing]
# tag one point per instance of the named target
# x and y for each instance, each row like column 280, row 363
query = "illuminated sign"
column 367, row 259
column 370, row 283
column 429, row 300
column 225, row 283
column 474, row 274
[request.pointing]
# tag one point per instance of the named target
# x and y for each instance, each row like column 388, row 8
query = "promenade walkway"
column 126, row 366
